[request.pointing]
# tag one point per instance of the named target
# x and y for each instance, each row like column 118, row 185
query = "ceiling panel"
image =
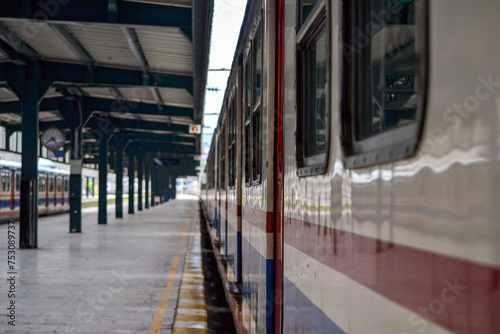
column 167, row 50
column 44, row 40
column 6, row 95
column 177, row 3
column 100, row 92
column 106, row 44
column 176, row 97
column 138, row 94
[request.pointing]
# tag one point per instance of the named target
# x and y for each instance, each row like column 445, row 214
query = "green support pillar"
column 30, row 92
column 75, row 181
column 75, row 115
column 146, row 176
column 131, row 175
column 8, row 133
column 153, row 185
column 103, row 178
column 119, row 177
column 140, row 172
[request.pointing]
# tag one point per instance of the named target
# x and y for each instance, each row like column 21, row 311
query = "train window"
column 248, row 84
column 253, row 84
column 66, row 185
column 222, row 154
column 232, row 141
column 59, row 184
column 51, row 183
column 41, row 183
column 5, row 180
column 306, row 7
column 384, row 80
column 18, row 182
column 248, row 154
column 257, row 145
column 257, row 57
column 312, row 102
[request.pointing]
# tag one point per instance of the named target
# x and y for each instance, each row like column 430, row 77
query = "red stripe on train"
column 261, row 219
column 459, row 295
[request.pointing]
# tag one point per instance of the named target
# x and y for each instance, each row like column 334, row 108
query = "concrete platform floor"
column 108, row 279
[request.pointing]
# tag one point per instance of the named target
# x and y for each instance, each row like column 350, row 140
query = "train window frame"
column 247, row 95
column 5, row 180
column 232, row 137
column 394, row 144
column 256, row 117
column 66, row 184
column 51, row 184
column 222, row 155
column 309, row 31
column 18, row 181
column 59, row 184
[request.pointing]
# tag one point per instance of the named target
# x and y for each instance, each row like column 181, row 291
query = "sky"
column 228, row 15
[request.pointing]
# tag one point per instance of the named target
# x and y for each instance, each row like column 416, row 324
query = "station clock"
column 53, row 139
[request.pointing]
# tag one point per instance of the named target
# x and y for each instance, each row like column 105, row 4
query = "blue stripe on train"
column 264, row 305
column 300, row 315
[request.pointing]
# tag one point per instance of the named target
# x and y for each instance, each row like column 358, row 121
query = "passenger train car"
column 53, row 189
column 352, row 178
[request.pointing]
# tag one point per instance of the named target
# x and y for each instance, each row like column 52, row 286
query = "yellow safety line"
column 185, row 230
column 162, row 308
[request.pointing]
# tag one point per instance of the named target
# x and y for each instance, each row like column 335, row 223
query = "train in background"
column 53, row 189
column 351, row 184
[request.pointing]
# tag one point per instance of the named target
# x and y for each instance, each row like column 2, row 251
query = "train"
column 53, row 189
column 351, row 182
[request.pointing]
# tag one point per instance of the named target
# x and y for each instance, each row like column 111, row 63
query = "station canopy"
column 137, row 66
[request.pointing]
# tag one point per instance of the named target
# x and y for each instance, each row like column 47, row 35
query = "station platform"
column 139, row 274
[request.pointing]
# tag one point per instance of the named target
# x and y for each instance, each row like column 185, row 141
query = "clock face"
column 53, row 139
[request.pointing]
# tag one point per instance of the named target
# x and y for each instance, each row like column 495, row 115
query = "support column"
column 140, row 172
column 131, row 172
column 119, row 177
column 8, row 133
column 75, row 181
column 153, row 185
column 103, row 178
column 76, row 113
column 146, row 195
column 29, row 92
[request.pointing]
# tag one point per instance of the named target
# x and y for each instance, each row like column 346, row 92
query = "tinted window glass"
column 387, row 66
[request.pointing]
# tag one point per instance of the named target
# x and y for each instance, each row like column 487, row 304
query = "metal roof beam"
column 84, row 11
column 12, row 54
column 104, row 105
column 156, row 137
column 142, row 125
column 17, row 43
column 135, row 47
column 73, row 43
column 116, row 93
column 79, row 75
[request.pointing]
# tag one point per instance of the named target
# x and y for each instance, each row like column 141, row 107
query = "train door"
column 17, row 180
column 51, row 195
column 12, row 189
column 46, row 190
column 66, row 189
column 59, row 192
column 5, row 188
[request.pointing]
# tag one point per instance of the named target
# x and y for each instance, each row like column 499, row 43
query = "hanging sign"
column 195, row 129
